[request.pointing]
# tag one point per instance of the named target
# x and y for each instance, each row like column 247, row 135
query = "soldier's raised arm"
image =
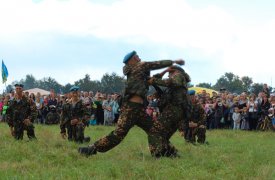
column 154, row 65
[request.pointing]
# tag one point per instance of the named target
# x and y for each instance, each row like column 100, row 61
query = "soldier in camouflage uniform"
column 173, row 105
column 21, row 115
column 74, row 117
column 133, row 108
column 197, row 122
column 65, row 120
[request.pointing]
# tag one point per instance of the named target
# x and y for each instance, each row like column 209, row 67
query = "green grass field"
column 229, row 155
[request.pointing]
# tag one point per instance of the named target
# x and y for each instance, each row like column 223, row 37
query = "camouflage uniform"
column 72, row 111
column 173, row 102
column 131, row 113
column 198, row 116
column 18, row 111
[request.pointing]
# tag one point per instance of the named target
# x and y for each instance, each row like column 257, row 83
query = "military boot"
column 88, row 151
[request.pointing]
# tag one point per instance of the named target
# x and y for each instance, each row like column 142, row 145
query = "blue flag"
column 5, row 72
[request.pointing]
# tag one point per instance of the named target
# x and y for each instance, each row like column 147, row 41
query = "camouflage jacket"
column 177, row 88
column 198, row 114
column 138, row 74
column 73, row 111
column 19, row 110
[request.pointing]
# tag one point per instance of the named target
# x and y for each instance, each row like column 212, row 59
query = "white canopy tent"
column 36, row 90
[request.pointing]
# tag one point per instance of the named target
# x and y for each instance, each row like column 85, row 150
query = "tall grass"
column 229, row 155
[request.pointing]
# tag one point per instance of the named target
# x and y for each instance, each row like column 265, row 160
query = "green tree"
column 256, row 88
column 112, row 83
column 49, row 83
column 204, row 85
column 247, row 83
column 9, row 88
column 30, row 82
column 86, row 84
column 232, row 83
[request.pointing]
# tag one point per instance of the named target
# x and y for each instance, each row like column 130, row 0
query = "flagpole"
column 5, row 87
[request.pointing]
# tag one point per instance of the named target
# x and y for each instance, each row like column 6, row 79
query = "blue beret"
column 191, row 92
column 19, row 85
column 74, row 88
column 129, row 56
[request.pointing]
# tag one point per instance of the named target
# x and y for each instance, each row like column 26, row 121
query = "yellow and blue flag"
column 5, row 72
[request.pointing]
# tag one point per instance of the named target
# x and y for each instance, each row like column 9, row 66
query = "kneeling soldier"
column 197, row 122
column 21, row 114
column 74, row 117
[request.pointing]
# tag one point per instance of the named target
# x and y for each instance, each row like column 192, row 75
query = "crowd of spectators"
column 103, row 107
column 224, row 110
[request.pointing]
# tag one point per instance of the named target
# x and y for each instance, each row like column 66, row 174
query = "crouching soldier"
column 197, row 122
column 21, row 115
column 74, row 117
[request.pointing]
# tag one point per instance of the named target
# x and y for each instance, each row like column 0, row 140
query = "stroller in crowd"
column 267, row 120
column 53, row 116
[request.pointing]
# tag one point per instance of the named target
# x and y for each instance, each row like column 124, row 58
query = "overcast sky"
column 66, row 39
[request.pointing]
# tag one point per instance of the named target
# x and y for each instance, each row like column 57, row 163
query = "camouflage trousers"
column 131, row 114
column 170, row 120
column 19, row 128
column 193, row 133
column 76, row 132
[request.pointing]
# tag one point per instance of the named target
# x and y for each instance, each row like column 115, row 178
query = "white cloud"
column 253, row 54
column 236, row 47
column 138, row 21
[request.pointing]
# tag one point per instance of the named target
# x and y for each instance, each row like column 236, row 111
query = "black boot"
column 90, row 150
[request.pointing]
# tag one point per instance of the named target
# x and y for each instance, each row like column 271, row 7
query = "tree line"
column 236, row 84
column 110, row 83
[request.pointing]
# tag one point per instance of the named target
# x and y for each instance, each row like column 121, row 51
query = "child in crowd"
column 236, row 118
column 244, row 115
column 92, row 120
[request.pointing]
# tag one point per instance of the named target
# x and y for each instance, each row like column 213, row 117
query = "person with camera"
column 21, row 115
column 133, row 105
column 219, row 109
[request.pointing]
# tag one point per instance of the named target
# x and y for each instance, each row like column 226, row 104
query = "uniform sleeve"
column 63, row 120
column 85, row 114
column 157, row 64
column 33, row 112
